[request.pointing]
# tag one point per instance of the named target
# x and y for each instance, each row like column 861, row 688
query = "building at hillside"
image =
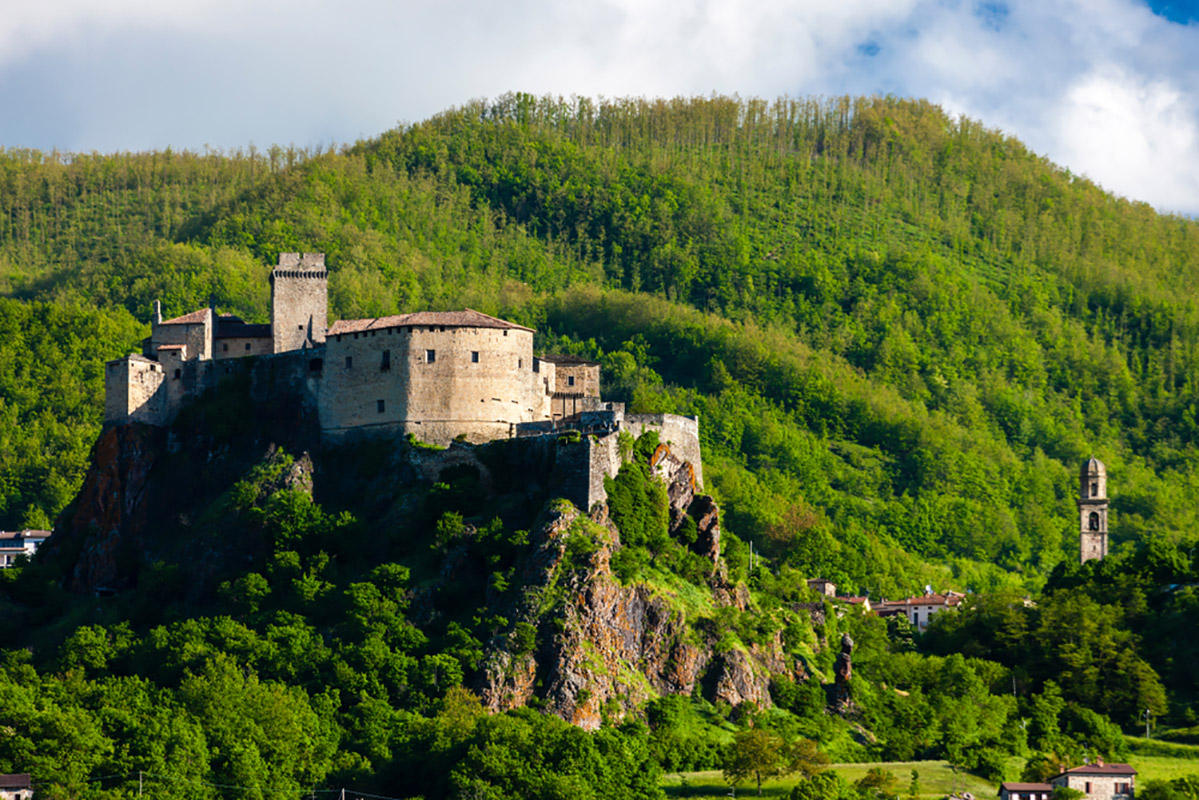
column 439, row 375
column 16, row 787
column 14, row 544
column 1100, row 781
column 919, row 610
column 1025, row 791
column 1092, row 511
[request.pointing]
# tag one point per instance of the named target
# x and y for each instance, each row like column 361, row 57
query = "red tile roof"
column 171, row 346
column 1027, row 787
column 1099, row 769
column 194, row 318
column 467, row 318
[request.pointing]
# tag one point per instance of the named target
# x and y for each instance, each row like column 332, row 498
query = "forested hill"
column 903, row 331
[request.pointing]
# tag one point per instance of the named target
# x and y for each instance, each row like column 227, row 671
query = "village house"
column 1100, row 781
column 16, row 787
column 19, row 543
column 919, row 610
column 1025, row 791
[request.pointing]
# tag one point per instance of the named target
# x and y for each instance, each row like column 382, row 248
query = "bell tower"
column 1092, row 511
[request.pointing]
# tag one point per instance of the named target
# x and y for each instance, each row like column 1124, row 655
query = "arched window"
column 1093, row 521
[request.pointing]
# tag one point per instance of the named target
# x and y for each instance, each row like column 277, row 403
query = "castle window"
column 349, row 362
column 386, row 364
column 178, row 372
column 430, row 356
column 379, row 406
column 247, row 345
column 520, row 363
column 299, row 327
column 1093, row 521
column 1094, row 490
column 474, row 356
column 225, row 347
column 570, row 380
column 505, row 333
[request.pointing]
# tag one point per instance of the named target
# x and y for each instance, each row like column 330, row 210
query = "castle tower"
column 1092, row 510
column 299, row 301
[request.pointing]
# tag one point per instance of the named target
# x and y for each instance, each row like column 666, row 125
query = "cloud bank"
column 1107, row 88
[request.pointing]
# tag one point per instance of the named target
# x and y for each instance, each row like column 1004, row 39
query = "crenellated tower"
column 1092, row 511
column 299, row 301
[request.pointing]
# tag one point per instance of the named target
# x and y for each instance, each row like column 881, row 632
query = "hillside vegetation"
column 902, row 333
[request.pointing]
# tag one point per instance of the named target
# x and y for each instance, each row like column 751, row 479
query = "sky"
column 1106, row 88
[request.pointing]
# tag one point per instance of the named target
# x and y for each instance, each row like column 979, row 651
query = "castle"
column 438, row 375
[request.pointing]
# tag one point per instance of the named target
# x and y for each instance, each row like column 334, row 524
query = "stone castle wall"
column 134, row 391
column 680, row 434
column 240, row 347
column 436, row 382
column 299, row 301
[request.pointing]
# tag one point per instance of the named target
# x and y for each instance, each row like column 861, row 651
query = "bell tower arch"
column 1092, row 511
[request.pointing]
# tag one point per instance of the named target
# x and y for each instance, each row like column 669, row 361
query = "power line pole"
column 139, row 783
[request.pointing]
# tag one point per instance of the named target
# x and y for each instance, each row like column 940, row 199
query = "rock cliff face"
column 579, row 643
column 111, row 510
column 605, row 647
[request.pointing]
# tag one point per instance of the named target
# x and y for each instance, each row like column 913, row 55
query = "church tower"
column 1092, row 511
column 299, row 301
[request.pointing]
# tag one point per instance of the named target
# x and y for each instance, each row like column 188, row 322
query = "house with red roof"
column 1100, row 781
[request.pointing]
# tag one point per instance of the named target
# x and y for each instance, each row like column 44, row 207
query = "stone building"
column 439, row 375
column 1092, row 511
column 576, row 386
column 1100, row 781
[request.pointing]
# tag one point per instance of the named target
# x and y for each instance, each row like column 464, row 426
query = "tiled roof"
column 562, row 358
column 1100, row 769
column 467, row 318
column 1027, row 787
column 19, row 781
column 194, row 318
column 24, row 534
column 171, row 346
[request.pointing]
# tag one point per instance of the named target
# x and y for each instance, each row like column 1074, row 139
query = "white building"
column 19, row 543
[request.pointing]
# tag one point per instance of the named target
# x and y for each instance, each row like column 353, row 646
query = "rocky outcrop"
column 608, row 647
column 110, row 512
column 841, row 699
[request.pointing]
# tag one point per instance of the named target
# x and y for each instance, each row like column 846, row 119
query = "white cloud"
column 1134, row 136
column 1102, row 86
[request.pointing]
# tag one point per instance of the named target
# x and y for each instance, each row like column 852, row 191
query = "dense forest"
column 902, row 332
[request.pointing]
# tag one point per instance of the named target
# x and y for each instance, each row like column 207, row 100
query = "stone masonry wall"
column 299, row 301
column 435, row 382
column 1102, row 787
column 241, row 347
column 133, row 391
column 680, row 433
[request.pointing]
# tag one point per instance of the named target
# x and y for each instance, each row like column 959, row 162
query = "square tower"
column 1092, row 511
column 299, row 301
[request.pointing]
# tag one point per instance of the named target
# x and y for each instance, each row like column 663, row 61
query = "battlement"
column 301, row 261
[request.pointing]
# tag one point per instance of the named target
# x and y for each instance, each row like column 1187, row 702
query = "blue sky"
column 1107, row 88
